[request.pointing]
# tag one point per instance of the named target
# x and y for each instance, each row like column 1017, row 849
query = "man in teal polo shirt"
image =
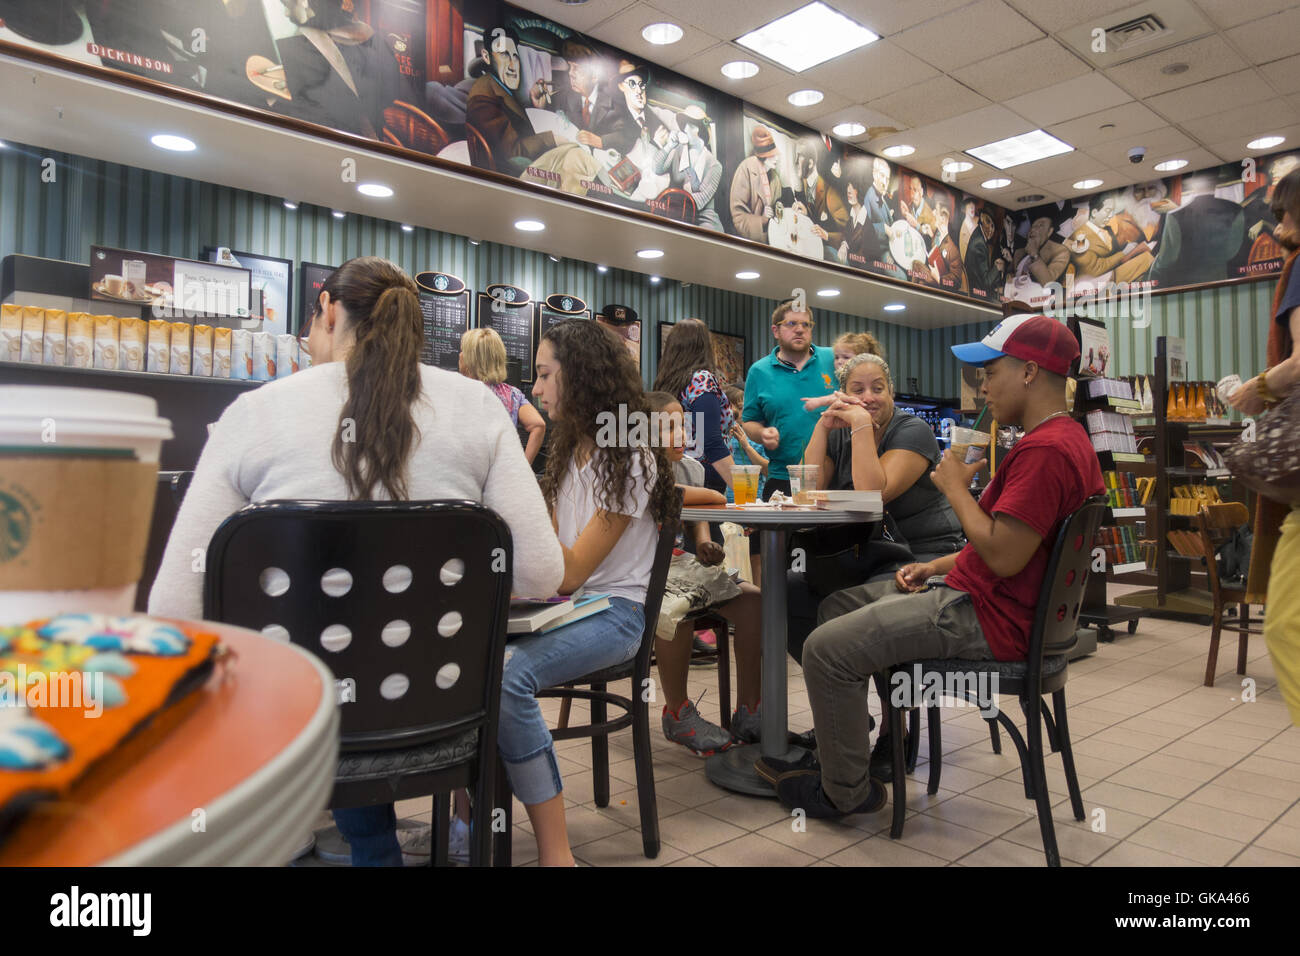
column 776, row 387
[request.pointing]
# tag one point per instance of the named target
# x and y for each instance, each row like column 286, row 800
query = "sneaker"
column 803, row 791
column 773, row 770
column 808, row 739
column 693, row 732
column 703, row 653
column 746, row 725
column 881, row 766
column 458, row 842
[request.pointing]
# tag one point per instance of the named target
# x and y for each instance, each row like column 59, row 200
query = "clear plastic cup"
column 78, row 472
column 803, row 482
column 744, row 482
column 968, row 445
column 1227, row 385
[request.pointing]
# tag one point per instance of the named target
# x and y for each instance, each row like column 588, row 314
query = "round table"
column 734, row 768
column 235, row 774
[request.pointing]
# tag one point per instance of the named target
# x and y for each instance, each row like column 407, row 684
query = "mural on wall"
column 483, row 83
column 1206, row 226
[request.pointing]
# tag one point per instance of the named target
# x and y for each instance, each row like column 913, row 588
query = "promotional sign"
column 272, row 283
column 170, row 287
column 313, row 279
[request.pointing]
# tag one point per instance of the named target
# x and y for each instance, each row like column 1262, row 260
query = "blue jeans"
column 371, row 833
column 539, row 661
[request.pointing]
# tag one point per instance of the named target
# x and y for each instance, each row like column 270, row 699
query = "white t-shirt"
column 625, row 572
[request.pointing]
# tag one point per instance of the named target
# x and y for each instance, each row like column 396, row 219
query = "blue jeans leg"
column 539, row 661
column 371, row 833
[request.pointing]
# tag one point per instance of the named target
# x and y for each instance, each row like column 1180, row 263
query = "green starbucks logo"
column 15, row 527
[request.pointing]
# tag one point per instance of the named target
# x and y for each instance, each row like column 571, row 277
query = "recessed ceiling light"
column 848, row 129
column 740, row 69
column 339, row 214
column 375, row 190
column 899, row 151
column 748, row 274
column 475, row 242
column 805, row 97
column 895, row 307
column 529, row 225
column 3, row 145
column 650, row 254
column 654, row 280
column 1266, row 142
column 1169, row 165
column 995, row 183
column 177, row 144
column 290, row 204
column 407, row 227
column 808, row 36
column 1031, row 197
column 661, row 34
column 1024, row 148
column 602, row 269
column 1173, row 69
column 554, row 258
column 1087, row 184
column 957, row 166
column 828, row 293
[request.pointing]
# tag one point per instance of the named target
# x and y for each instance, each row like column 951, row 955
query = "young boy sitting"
column 983, row 609
column 682, row 723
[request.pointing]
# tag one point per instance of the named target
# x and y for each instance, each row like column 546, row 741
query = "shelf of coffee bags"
column 122, row 374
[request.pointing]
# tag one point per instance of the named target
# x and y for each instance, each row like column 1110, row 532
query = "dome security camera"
column 1137, row 154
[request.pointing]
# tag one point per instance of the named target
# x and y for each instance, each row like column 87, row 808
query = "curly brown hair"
column 859, row 343
column 598, row 375
column 687, row 350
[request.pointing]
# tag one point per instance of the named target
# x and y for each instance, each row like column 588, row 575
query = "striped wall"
column 92, row 202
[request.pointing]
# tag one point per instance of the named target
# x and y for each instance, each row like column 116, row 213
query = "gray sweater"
column 274, row 442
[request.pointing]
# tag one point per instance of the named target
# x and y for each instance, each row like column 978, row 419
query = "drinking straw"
column 979, row 418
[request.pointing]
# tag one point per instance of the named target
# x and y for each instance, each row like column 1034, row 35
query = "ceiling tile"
column 1229, row 13
column 1269, row 38
column 888, row 17
column 1284, row 74
column 1003, row 76
column 933, row 167
column 924, row 144
column 1053, row 15
column 1212, row 96
column 1234, row 149
column 623, row 31
column 1206, row 58
column 577, row 17
column 774, row 100
column 856, row 114
column 983, row 29
column 1245, row 122
column 977, row 127
column 1126, row 120
column 727, row 19
column 1168, row 142
column 1070, row 166
column 707, row 65
column 1063, row 101
column 929, row 101
column 873, row 71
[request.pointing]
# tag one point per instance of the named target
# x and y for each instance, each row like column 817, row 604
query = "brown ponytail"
column 376, row 426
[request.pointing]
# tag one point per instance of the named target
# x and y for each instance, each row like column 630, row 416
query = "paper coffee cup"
column 78, row 472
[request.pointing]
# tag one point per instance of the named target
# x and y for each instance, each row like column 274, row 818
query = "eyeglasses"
column 794, row 325
column 633, row 83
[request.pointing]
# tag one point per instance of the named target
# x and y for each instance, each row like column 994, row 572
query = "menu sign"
column 509, row 310
column 444, row 304
column 182, row 288
column 558, row 308
column 313, row 280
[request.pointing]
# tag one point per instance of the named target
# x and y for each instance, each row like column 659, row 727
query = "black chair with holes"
column 1045, row 671
column 635, row 713
column 406, row 603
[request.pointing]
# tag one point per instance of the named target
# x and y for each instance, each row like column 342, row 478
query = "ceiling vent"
column 1141, row 30
column 1144, row 29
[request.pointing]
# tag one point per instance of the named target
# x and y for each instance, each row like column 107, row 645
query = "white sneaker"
column 458, row 841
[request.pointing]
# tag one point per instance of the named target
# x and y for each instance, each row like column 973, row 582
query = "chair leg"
column 936, row 748
column 1213, row 660
column 1067, row 754
column 483, row 813
column 1050, row 725
column 896, row 717
column 995, row 737
column 441, row 827
column 913, row 738
column 1243, row 641
column 504, row 800
column 599, row 751
column 724, row 673
column 1038, row 771
column 566, row 705
column 645, row 776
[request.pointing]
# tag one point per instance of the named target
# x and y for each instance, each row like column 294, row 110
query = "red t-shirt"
column 1045, row 478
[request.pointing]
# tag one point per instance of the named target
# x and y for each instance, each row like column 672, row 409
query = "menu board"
column 171, row 287
column 444, row 304
column 558, row 308
column 313, row 279
column 509, row 311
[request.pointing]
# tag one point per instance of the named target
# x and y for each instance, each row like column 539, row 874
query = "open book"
column 540, row 617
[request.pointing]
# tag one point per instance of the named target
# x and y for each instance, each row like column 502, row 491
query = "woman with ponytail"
column 366, row 422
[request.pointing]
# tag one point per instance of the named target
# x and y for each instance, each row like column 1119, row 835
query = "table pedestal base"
column 734, row 769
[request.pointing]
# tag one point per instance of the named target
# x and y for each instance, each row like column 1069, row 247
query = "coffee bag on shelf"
column 180, row 351
column 56, row 337
column 160, row 346
column 11, row 333
column 33, row 348
column 263, row 356
column 106, row 341
column 241, row 354
column 131, row 338
column 220, row 353
column 81, row 340
column 286, row 355
column 202, row 361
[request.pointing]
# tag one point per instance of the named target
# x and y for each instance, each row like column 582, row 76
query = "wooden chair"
column 409, row 126
column 677, row 204
column 1215, row 524
column 480, row 153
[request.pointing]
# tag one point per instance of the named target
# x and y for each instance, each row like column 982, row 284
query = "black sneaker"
column 773, row 770
column 808, row 739
column 803, row 791
column 881, row 766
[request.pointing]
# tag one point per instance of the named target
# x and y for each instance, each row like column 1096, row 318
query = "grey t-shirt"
column 921, row 515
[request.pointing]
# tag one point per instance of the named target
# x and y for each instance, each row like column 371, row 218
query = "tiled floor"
column 1173, row 774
